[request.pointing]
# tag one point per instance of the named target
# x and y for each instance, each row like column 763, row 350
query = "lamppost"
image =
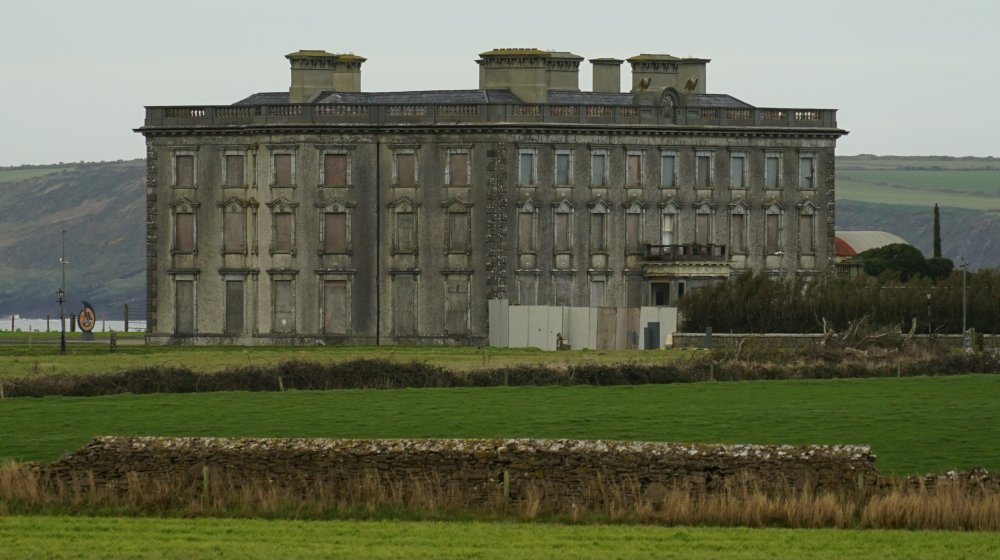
column 966, row 339
column 61, row 293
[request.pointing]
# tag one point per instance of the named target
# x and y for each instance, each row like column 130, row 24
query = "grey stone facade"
column 391, row 218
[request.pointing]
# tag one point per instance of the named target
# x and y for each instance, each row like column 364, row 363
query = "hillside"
column 101, row 205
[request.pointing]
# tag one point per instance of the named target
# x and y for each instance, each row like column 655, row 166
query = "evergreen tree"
column 937, row 232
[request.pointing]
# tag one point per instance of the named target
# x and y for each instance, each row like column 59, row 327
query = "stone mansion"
column 328, row 213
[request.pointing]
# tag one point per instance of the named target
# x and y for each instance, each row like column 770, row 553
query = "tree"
column 900, row 259
column 937, row 233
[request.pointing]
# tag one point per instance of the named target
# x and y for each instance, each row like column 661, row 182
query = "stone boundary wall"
column 567, row 469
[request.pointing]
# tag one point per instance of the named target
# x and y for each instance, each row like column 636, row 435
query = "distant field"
column 958, row 183
column 115, row 537
column 10, row 175
column 914, row 425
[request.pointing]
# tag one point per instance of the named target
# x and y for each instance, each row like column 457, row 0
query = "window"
column 234, row 170
column 282, row 226
column 599, row 168
column 184, row 170
column 526, row 172
column 598, row 228
column 703, row 230
column 404, row 232
column 772, row 171
column 668, row 224
column 234, row 307
column 404, row 304
column 405, row 170
column 282, row 169
column 806, row 172
column 737, row 230
column 703, row 170
column 336, row 170
column 184, row 307
column 562, row 287
column 564, row 167
column 458, row 230
column 598, row 289
column 457, row 172
column 633, row 290
column 562, row 218
column 668, row 170
column 185, row 234
column 283, row 306
column 633, row 169
column 526, row 223
column 738, row 171
column 234, row 226
column 527, row 289
column 457, row 304
column 772, row 229
column 633, row 228
column 336, row 311
column 807, row 228
column 335, row 232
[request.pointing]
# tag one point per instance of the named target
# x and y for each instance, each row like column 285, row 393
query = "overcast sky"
column 911, row 78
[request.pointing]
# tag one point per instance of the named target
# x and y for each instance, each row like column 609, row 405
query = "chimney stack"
column 607, row 75
column 314, row 72
column 656, row 72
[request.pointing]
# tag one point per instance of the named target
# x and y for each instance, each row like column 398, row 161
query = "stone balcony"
column 685, row 260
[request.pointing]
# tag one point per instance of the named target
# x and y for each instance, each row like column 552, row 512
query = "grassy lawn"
column 76, row 537
column 914, row 425
column 19, row 360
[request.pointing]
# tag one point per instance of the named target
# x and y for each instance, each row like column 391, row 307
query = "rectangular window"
column 234, row 171
column 633, row 170
column 563, row 175
column 526, row 168
column 667, row 229
column 335, row 310
column 458, row 169
column 457, row 305
column 184, row 307
column 599, row 169
column 184, row 171
column 284, row 307
column 668, row 170
column 738, row 229
column 806, row 172
column 404, row 304
column 406, row 232
column 283, row 232
column 703, row 229
column 703, row 171
column 562, row 285
column 771, row 233
column 807, row 226
column 335, row 170
column 562, row 231
column 184, row 233
column 283, row 176
column 737, row 171
column 234, row 307
column 633, row 232
column 527, row 289
column 406, row 169
column 598, row 233
column 458, row 232
column 234, row 232
column 772, row 172
column 598, row 287
column 633, row 290
column 526, row 232
column 335, row 232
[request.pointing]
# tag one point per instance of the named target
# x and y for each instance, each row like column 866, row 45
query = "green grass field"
column 13, row 174
column 957, row 183
column 914, row 425
column 109, row 537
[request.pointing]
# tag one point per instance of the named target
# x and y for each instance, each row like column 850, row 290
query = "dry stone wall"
column 566, row 469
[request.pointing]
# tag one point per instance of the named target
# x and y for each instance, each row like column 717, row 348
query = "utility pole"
column 62, row 297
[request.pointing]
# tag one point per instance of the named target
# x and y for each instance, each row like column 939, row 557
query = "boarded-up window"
column 184, row 171
column 406, row 232
column 667, row 225
column 335, row 308
column 334, row 232
column 335, row 170
column 807, row 238
column 234, row 307
column 772, row 223
column 737, row 172
column 598, row 287
column 527, row 289
column 703, row 228
column 562, row 231
column 283, row 232
column 458, row 169
column 457, row 305
column 526, row 231
column 458, row 232
column 738, row 229
column 772, row 172
column 806, row 170
column 562, row 169
column 633, row 290
column 184, row 307
column 598, row 232
column 633, row 232
column 406, row 170
column 404, row 304
column 599, row 169
column 234, row 232
column 703, row 172
column 234, row 171
column 283, row 170
column 184, row 233
column 633, row 170
column 562, row 287
column 526, row 168
column 667, row 170
column 284, row 307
